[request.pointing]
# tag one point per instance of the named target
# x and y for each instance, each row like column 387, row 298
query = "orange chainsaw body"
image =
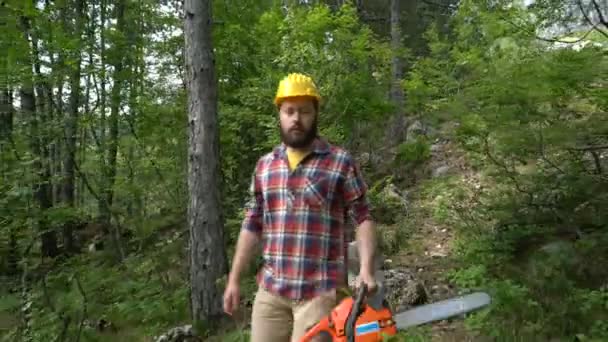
column 371, row 325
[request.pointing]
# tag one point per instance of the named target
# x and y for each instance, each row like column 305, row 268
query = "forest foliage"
column 93, row 149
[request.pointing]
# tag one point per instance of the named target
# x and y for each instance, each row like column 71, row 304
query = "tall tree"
column 207, row 254
column 71, row 121
column 6, row 117
column 41, row 186
column 117, row 59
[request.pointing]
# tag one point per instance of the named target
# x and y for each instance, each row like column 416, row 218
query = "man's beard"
column 300, row 141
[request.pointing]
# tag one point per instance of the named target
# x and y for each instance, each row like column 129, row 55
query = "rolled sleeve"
column 355, row 193
column 254, row 207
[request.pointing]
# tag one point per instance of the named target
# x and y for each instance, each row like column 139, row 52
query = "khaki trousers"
column 277, row 319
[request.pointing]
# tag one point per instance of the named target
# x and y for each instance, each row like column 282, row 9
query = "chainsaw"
column 362, row 319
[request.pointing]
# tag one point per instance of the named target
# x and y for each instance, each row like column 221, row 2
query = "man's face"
column 298, row 121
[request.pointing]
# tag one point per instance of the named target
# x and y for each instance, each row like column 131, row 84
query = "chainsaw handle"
column 360, row 295
column 354, row 313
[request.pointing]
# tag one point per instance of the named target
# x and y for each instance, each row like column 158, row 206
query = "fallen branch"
column 84, row 306
column 599, row 13
column 598, row 164
column 595, row 27
column 590, row 148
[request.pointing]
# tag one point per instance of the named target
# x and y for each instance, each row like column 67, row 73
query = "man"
column 302, row 194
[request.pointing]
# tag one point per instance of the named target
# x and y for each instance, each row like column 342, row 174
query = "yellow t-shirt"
column 295, row 157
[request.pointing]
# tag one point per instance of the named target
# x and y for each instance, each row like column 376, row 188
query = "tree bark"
column 28, row 107
column 104, row 209
column 6, row 130
column 6, row 117
column 115, row 102
column 71, row 120
column 71, row 128
column 207, row 254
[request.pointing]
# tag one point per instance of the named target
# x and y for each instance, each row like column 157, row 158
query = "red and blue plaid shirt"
column 302, row 217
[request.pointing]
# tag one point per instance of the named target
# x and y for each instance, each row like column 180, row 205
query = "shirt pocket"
column 317, row 192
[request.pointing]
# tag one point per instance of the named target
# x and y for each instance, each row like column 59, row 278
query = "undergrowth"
column 542, row 285
column 88, row 296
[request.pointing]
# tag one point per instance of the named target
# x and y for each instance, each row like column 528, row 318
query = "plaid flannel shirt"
column 302, row 217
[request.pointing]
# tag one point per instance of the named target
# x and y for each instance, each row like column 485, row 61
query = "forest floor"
column 429, row 251
column 430, row 247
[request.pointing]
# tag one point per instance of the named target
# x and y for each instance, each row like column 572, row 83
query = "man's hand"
column 367, row 278
column 244, row 251
column 232, row 298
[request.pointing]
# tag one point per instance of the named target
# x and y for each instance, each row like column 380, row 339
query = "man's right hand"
column 244, row 251
column 231, row 297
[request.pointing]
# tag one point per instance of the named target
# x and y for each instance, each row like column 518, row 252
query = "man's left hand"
column 368, row 279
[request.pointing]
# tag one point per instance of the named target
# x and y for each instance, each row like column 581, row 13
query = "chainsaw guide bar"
column 441, row 310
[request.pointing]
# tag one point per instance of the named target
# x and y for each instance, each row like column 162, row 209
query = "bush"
column 413, row 153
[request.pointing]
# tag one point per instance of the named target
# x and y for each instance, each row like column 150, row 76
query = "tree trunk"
column 87, row 110
column 71, row 129
column 115, row 101
column 207, row 254
column 6, row 131
column 396, row 92
column 41, row 185
column 109, row 144
column 6, row 118
column 55, row 144
column 104, row 209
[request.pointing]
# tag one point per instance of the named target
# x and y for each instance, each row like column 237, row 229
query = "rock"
column 440, row 171
column 438, row 254
column 179, row 334
column 392, row 193
column 436, row 147
column 367, row 159
column 415, row 293
column 402, row 290
column 415, row 129
column 364, row 159
column 558, row 248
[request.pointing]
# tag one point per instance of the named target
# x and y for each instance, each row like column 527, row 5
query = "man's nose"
column 296, row 117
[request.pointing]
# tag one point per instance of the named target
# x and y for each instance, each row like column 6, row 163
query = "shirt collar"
column 319, row 146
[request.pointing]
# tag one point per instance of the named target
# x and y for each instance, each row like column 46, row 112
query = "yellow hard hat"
column 296, row 84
